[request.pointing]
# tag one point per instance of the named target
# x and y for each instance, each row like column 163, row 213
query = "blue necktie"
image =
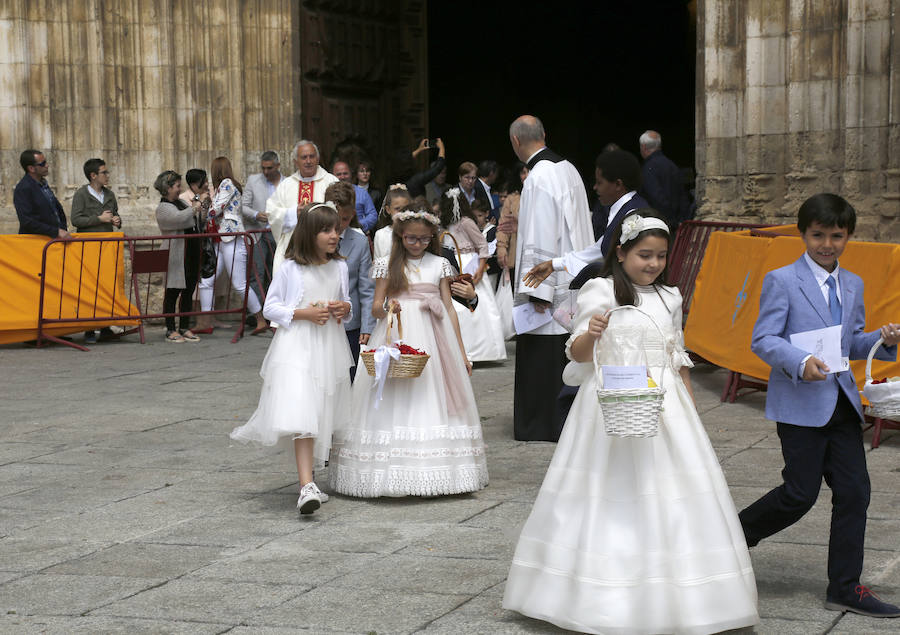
column 833, row 303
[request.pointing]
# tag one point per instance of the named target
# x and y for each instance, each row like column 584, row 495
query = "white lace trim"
column 410, row 453
column 398, row 433
column 408, row 481
column 446, row 269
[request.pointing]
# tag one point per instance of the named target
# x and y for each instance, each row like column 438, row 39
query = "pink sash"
column 430, row 298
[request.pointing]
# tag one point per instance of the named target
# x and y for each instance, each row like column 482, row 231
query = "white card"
column 618, row 377
column 824, row 344
column 471, row 267
column 526, row 318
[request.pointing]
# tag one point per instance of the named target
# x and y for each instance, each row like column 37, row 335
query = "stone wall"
column 146, row 86
column 796, row 97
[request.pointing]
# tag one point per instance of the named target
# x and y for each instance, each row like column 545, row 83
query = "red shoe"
column 260, row 329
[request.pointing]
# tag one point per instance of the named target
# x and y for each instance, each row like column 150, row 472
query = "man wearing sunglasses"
column 36, row 205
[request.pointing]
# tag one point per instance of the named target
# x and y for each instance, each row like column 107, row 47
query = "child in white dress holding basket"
column 306, row 383
column 633, row 534
column 414, row 435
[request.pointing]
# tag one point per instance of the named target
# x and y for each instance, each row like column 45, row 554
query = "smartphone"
column 430, row 143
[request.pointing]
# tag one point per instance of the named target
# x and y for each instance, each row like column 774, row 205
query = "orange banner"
column 83, row 280
column 726, row 299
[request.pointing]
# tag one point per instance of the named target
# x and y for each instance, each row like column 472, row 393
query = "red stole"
column 305, row 194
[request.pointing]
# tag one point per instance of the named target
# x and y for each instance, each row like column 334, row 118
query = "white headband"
column 329, row 204
column 635, row 224
column 453, row 194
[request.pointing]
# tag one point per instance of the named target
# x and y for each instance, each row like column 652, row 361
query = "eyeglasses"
column 42, row 164
column 416, row 240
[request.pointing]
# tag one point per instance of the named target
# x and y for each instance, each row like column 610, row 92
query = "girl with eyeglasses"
column 413, row 436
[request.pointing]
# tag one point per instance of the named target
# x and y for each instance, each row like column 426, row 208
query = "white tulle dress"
column 424, row 437
column 482, row 329
column 634, row 535
column 306, row 380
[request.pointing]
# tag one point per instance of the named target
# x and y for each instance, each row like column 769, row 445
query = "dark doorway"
column 594, row 72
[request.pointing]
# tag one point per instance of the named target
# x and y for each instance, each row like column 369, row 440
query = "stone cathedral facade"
column 796, row 97
column 793, row 96
column 156, row 85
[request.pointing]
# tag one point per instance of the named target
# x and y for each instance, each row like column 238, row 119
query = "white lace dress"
column 306, row 378
column 424, row 437
column 634, row 535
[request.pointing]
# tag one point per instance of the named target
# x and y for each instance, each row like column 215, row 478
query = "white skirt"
column 306, row 387
column 631, row 535
column 414, row 442
column 482, row 329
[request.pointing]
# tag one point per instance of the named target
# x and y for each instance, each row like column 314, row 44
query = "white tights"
column 230, row 257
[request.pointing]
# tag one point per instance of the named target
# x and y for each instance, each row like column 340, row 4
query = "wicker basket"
column 630, row 412
column 406, row 365
column 884, row 399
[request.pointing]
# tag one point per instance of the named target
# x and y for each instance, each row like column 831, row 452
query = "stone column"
column 796, row 97
column 147, row 86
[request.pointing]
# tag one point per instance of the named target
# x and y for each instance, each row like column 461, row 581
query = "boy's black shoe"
column 863, row 602
column 250, row 321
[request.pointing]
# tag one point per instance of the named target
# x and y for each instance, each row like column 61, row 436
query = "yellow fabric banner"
column 726, row 298
column 84, row 280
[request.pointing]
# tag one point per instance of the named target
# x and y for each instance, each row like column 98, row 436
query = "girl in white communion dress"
column 633, row 535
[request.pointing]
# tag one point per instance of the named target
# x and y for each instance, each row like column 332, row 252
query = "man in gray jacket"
column 257, row 191
column 95, row 209
column 94, row 206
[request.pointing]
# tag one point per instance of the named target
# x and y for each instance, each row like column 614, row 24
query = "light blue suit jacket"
column 355, row 248
column 792, row 302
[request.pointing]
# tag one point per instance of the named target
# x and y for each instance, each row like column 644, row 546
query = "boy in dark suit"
column 818, row 409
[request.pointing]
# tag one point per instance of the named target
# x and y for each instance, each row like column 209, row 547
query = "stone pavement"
column 125, row 508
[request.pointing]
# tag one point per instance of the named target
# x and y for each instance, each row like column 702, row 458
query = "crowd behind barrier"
column 64, row 286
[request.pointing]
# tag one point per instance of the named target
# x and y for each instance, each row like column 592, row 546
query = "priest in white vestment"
column 306, row 185
column 554, row 219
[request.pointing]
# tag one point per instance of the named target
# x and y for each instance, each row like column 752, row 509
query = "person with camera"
column 416, row 183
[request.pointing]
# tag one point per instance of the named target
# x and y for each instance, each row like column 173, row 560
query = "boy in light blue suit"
column 819, row 411
column 354, row 247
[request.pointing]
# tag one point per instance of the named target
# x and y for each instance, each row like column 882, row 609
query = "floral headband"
column 397, row 186
column 453, row 194
column 421, row 215
column 635, row 224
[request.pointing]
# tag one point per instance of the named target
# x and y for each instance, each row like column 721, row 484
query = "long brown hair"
column 221, row 170
column 311, row 219
column 384, row 218
column 622, row 284
column 397, row 281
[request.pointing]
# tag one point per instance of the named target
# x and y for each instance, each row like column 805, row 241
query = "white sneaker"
column 322, row 495
column 309, row 500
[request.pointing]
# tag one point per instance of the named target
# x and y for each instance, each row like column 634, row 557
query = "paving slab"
column 54, row 625
column 46, row 594
column 133, row 512
column 196, row 599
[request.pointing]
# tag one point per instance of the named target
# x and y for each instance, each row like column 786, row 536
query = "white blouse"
column 286, row 291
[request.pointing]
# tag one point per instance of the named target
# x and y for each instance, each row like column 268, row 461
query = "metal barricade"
column 62, row 301
column 687, row 253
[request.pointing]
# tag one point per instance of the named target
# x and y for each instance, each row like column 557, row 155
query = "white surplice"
column 554, row 219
